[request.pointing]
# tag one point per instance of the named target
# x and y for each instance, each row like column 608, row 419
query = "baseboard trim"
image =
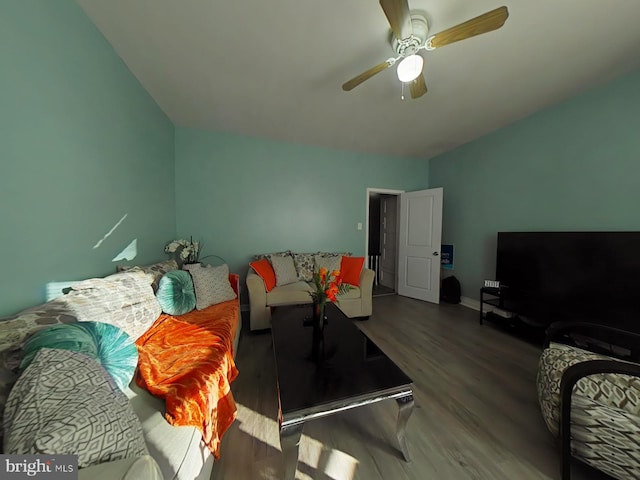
column 470, row 303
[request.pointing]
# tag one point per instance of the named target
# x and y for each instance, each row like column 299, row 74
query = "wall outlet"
column 492, row 283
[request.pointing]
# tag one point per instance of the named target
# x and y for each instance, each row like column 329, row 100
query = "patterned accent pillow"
column 66, row 403
column 334, row 254
column 211, row 284
column 125, row 300
column 176, row 293
column 305, row 265
column 157, row 270
column 107, row 344
column 260, row 256
column 284, row 269
column 330, row 263
column 14, row 330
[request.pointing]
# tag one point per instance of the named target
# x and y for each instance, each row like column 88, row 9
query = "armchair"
column 589, row 392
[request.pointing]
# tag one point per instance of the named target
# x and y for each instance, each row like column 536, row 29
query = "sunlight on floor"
column 258, row 426
column 325, row 462
column 333, row 464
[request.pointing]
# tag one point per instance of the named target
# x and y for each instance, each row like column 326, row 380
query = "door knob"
column 435, row 254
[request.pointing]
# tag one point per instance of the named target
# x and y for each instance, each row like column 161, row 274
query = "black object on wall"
column 571, row 276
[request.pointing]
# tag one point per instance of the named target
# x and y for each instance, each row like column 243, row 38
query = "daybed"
column 56, row 338
column 284, row 278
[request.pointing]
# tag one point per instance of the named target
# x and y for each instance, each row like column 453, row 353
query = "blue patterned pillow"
column 107, row 344
column 176, row 294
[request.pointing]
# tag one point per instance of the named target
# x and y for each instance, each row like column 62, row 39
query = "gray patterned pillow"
column 330, row 263
column 334, row 254
column 66, row 403
column 15, row 330
column 260, row 256
column 305, row 265
column 156, row 269
column 125, row 300
column 211, row 284
column 284, row 269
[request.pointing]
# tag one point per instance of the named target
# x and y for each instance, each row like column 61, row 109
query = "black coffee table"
column 320, row 373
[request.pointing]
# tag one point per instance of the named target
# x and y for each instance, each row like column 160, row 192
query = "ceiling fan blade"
column 482, row 24
column 399, row 16
column 418, row 87
column 355, row 81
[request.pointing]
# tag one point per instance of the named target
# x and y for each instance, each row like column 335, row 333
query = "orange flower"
column 328, row 285
column 332, row 291
column 323, row 274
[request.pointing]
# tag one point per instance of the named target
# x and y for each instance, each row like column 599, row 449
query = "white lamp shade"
column 410, row 68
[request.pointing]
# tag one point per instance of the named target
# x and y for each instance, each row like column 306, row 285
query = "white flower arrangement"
column 187, row 250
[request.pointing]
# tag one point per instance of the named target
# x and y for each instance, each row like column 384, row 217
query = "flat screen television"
column 571, row 276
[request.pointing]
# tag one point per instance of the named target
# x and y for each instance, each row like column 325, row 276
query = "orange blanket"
column 188, row 361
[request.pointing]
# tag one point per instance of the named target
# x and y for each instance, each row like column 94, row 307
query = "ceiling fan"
column 409, row 36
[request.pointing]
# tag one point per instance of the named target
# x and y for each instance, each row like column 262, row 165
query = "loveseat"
column 132, row 436
column 284, row 278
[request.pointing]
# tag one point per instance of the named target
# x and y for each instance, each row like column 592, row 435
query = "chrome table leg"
column 405, row 405
column 289, row 442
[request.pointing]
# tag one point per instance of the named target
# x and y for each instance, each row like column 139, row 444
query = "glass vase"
column 318, row 315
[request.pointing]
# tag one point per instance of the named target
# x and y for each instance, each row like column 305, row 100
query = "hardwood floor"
column 476, row 414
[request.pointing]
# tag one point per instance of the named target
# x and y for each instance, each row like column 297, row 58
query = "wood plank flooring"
column 476, row 413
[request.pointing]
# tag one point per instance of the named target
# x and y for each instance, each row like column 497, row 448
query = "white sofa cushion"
column 179, row 451
column 140, row 468
column 297, row 292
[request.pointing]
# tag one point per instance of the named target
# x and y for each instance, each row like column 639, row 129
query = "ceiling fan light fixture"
column 410, row 68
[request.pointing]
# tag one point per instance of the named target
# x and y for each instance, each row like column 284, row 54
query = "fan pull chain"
column 402, row 94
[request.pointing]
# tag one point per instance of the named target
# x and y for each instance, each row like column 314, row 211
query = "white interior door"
column 420, row 237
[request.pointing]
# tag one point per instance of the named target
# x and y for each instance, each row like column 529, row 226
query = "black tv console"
column 515, row 324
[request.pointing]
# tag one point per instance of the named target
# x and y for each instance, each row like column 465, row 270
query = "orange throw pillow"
column 350, row 270
column 265, row 270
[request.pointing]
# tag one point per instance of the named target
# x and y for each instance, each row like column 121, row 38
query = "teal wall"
column 242, row 195
column 81, row 145
column 574, row 166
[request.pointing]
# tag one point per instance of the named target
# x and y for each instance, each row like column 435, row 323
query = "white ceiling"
column 274, row 69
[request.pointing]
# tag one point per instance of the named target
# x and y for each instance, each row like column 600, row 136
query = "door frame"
column 386, row 191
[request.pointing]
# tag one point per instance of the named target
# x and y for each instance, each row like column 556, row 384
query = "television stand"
column 515, row 324
column 495, row 299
